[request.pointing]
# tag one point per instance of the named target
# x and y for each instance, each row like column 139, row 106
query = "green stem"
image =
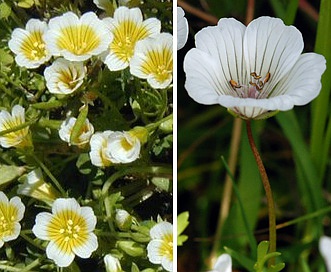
column 31, row 241
column 153, row 126
column 267, row 188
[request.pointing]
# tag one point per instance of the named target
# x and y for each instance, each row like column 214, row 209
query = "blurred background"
column 294, row 146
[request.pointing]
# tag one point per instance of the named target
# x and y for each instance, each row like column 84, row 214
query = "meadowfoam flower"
column 112, row 147
column 182, row 28
column 223, row 264
column 64, row 77
column 160, row 248
column 65, row 131
column 112, row 264
column 34, row 185
column 19, row 138
column 253, row 71
column 11, row 212
column 127, row 27
column 69, row 230
column 152, row 60
column 325, row 250
column 28, row 44
column 77, row 39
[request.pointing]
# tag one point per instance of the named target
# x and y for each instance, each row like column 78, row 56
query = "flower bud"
column 123, row 219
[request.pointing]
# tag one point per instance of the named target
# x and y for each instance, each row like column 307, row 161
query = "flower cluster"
column 83, row 95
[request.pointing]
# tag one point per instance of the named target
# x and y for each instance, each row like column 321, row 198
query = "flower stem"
column 267, row 188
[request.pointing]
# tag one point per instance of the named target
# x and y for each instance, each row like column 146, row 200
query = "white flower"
column 17, row 138
column 182, row 28
column 33, row 185
column 111, row 147
column 223, row 264
column 152, row 60
column 65, row 131
column 28, row 44
column 127, row 27
column 11, row 212
column 69, row 228
column 123, row 219
column 112, row 264
column 64, row 77
column 77, row 39
column 160, row 248
column 325, row 250
column 254, row 71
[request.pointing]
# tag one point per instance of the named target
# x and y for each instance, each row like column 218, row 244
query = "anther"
column 234, row 84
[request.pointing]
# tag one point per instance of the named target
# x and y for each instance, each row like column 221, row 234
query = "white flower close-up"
column 64, row 77
column 223, row 264
column 253, row 71
column 11, row 212
column 128, row 27
column 112, row 147
column 18, row 138
column 325, row 250
column 77, row 39
column 112, row 264
column 29, row 45
column 85, row 134
column 182, row 28
column 69, row 230
column 153, row 60
column 160, row 248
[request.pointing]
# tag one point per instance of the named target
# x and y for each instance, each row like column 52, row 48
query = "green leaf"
column 25, row 3
column 5, row 11
column 162, row 183
column 79, row 124
column 9, row 173
column 182, row 222
column 242, row 259
column 134, row 268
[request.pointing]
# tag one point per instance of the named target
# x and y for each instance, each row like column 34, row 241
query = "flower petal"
column 182, row 28
column 40, row 229
column 325, row 250
column 86, row 249
column 60, row 257
column 271, row 47
column 223, row 263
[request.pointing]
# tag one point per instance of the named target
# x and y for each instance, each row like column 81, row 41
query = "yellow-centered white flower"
column 11, row 212
column 84, row 137
column 128, row 28
column 153, row 60
column 160, row 248
column 254, row 71
column 325, row 250
column 34, row 185
column 69, row 230
column 17, row 138
column 182, row 28
column 77, row 39
column 64, row 77
column 29, row 45
column 112, row 264
column 113, row 147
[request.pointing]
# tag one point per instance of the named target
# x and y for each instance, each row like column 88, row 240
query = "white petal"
column 153, row 26
column 18, row 204
column 88, row 214
column 63, row 204
column 167, row 264
column 303, row 82
column 60, row 257
column 160, row 230
column 182, row 28
column 3, row 198
column 114, row 63
column 15, row 233
column 204, row 80
column 123, row 13
column 325, row 250
column 86, row 249
column 270, row 46
column 223, row 263
column 153, row 252
column 41, row 225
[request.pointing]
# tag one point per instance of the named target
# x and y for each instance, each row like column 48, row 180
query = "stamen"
column 234, row 84
column 259, row 84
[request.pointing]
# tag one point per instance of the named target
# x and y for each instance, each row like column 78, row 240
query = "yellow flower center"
column 8, row 215
column 16, row 137
column 126, row 36
column 126, row 144
column 68, row 230
column 78, row 40
column 33, row 46
column 69, row 78
column 166, row 249
column 159, row 64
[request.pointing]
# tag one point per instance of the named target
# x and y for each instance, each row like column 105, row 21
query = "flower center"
column 6, row 225
column 79, row 40
column 166, row 249
column 159, row 64
column 255, row 87
column 68, row 230
column 126, row 36
column 126, row 144
column 34, row 47
column 69, row 79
